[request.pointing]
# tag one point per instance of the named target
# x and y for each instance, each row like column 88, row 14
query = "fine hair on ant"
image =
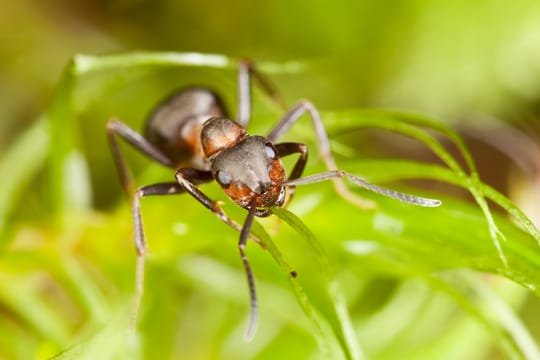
column 191, row 133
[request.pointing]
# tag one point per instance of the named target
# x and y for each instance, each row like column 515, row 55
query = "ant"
column 192, row 128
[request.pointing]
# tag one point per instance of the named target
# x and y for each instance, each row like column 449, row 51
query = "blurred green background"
column 444, row 58
column 67, row 284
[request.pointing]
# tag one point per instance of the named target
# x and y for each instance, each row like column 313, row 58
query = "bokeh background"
column 474, row 65
column 446, row 59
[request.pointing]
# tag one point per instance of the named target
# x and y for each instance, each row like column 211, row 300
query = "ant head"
column 218, row 134
column 249, row 170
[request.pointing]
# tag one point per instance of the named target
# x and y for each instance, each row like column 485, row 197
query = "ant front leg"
column 244, row 234
column 290, row 118
column 285, row 149
column 116, row 128
column 183, row 177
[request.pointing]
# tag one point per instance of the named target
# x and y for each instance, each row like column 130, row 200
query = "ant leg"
column 116, row 128
column 252, row 322
column 168, row 188
column 139, row 238
column 285, row 149
column 290, row 118
column 243, row 107
column 182, row 176
column 246, row 70
column 336, row 174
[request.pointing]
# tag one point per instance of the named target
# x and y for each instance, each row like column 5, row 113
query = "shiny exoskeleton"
column 191, row 133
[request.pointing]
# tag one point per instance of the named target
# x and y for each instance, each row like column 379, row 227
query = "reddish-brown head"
column 251, row 169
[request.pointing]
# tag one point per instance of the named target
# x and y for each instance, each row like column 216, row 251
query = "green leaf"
column 22, row 162
column 356, row 270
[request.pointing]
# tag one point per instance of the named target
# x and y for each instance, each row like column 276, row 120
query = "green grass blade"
column 21, row 162
column 399, row 122
column 513, row 210
column 503, row 315
column 84, row 64
column 18, row 293
column 354, row 120
column 333, row 288
column 426, row 122
column 304, row 302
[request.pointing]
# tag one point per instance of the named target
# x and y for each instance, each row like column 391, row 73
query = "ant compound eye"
column 223, row 178
column 270, row 152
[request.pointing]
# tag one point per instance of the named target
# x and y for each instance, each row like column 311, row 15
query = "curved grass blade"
column 22, row 161
column 18, row 294
column 322, row 338
column 84, row 64
column 333, row 288
column 399, row 122
column 389, row 170
column 427, row 122
column 408, row 254
column 494, row 306
column 353, row 120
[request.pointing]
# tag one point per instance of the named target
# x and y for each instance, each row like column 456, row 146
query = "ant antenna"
column 252, row 322
column 411, row 199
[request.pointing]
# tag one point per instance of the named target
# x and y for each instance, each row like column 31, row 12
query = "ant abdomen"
column 174, row 126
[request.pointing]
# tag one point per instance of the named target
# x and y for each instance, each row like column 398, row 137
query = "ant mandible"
column 191, row 127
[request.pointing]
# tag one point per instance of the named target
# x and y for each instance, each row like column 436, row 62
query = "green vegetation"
column 434, row 98
column 397, row 280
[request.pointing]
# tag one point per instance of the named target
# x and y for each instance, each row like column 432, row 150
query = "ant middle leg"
column 306, row 107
